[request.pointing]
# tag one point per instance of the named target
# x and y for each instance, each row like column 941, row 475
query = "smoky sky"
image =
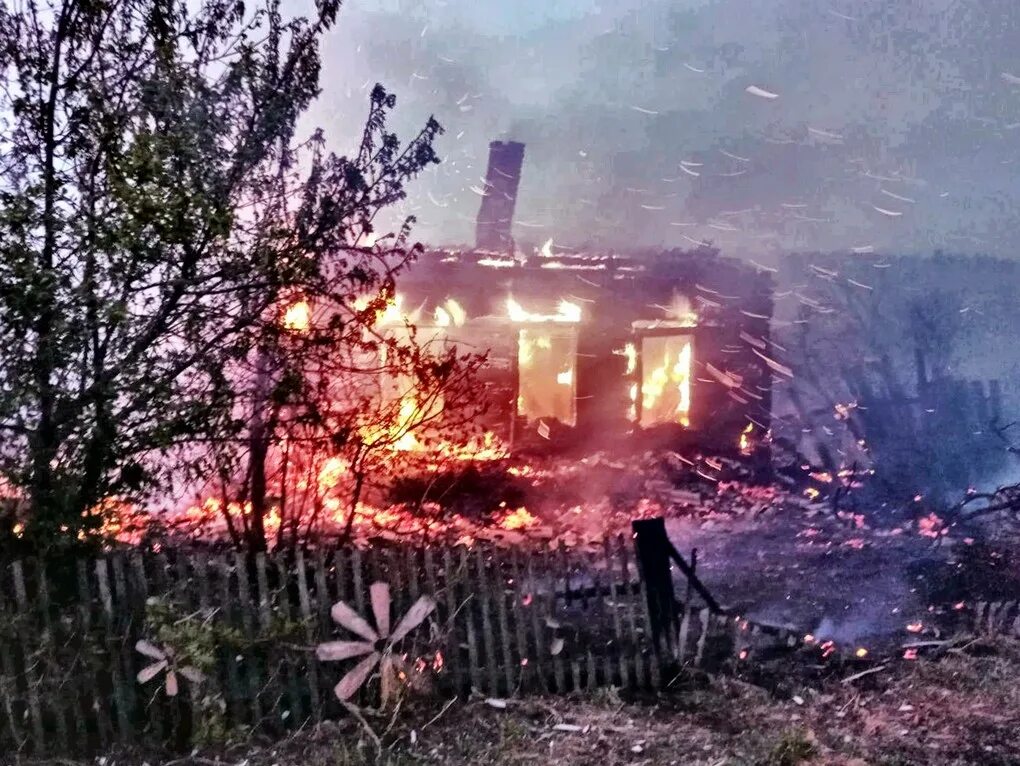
column 885, row 124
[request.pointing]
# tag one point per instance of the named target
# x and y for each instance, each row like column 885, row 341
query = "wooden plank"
column 516, row 611
column 550, row 564
column 273, row 685
column 601, row 618
column 251, row 666
column 343, row 576
column 68, row 705
column 289, row 669
column 311, row 637
column 133, row 615
column 454, row 657
column 104, row 725
column 654, row 661
column 499, row 593
column 474, row 661
column 561, row 558
column 705, row 617
column 358, row 581
column 201, row 564
column 230, row 618
column 617, row 595
column 62, row 697
column 413, row 574
column 141, row 588
column 8, row 681
column 9, row 695
column 639, row 665
column 429, row 565
column 484, row 586
column 534, row 609
column 592, row 679
column 684, row 637
column 323, row 598
column 28, row 640
column 125, row 729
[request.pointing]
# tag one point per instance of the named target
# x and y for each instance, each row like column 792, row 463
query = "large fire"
column 546, row 353
column 666, row 380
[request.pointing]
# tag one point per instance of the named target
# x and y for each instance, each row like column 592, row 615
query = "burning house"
column 587, row 347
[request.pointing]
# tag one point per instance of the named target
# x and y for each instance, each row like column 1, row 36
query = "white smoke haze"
column 871, row 99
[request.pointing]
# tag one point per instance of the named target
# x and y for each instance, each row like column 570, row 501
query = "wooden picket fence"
column 508, row 622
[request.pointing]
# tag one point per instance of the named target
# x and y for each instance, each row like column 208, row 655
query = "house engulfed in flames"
column 588, row 347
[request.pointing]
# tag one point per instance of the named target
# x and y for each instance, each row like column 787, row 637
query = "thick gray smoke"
column 894, row 124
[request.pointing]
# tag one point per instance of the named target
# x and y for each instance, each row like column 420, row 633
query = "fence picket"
column 514, row 620
column 125, row 733
column 639, row 665
column 616, row 591
column 27, row 641
column 534, row 607
column 234, row 687
column 312, row 666
column 470, row 608
column 251, row 666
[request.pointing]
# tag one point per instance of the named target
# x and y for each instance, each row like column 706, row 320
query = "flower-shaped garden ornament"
column 378, row 643
column 164, row 660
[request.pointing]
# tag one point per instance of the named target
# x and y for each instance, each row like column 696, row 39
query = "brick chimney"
column 495, row 216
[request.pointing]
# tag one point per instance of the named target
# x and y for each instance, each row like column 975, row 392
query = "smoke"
column 893, row 126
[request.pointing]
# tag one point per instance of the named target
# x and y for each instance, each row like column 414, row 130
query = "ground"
column 959, row 708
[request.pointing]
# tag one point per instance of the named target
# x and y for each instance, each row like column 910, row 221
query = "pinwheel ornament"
column 165, row 660
column 378, row 643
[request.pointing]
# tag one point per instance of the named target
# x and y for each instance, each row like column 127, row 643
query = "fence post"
column 652, row 548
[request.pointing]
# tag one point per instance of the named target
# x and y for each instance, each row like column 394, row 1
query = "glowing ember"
column 518, row 519
column 745, row 441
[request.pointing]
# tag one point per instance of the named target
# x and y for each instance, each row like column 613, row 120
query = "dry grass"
column 963, row 708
